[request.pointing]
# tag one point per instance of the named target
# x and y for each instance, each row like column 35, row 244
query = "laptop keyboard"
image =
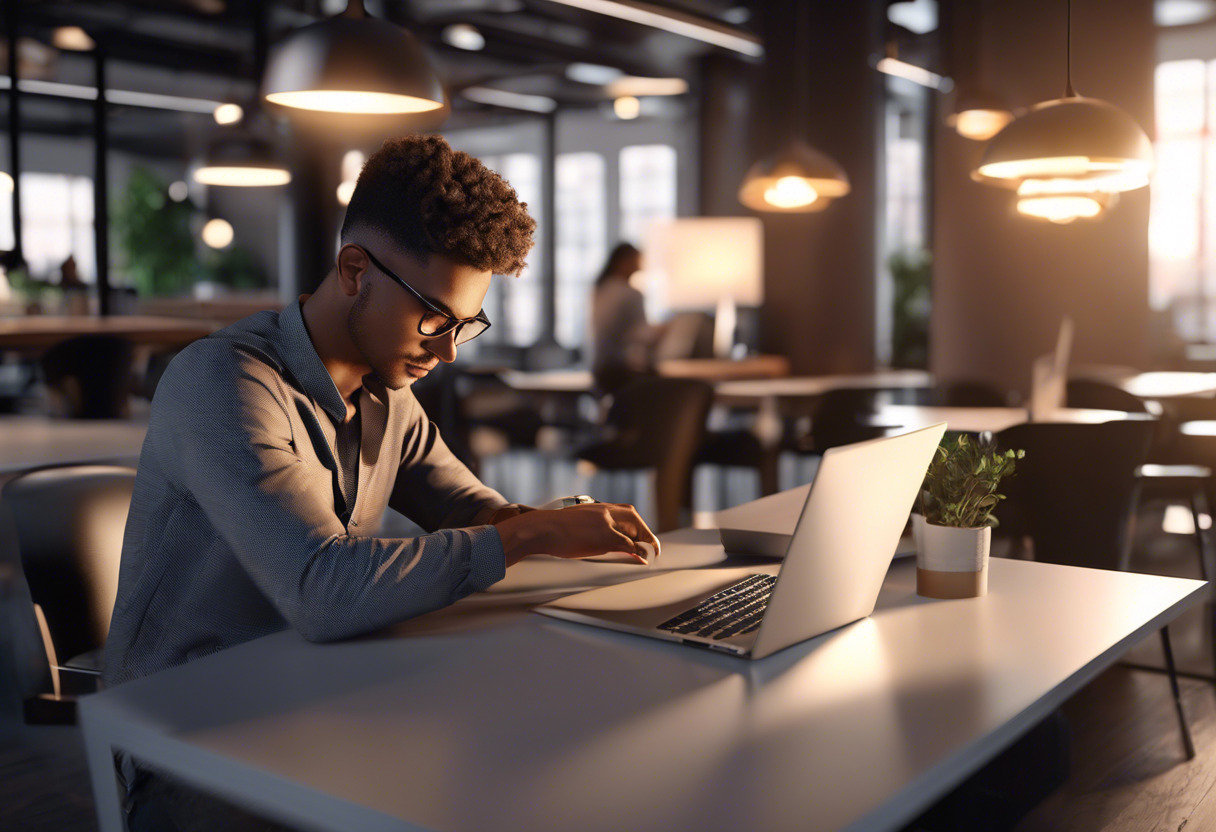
column 736, row 610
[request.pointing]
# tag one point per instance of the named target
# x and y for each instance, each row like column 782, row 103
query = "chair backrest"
column 1101, row 395
column 1074, row 491
column 658, row 423
column 969, row 393
column 69, row 524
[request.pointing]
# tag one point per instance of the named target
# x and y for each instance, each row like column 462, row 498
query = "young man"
column 275, row 443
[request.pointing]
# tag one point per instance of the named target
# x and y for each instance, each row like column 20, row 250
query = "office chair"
column 69, row 525
column 1074, row 493
column 656, row 423
column 1169, row 473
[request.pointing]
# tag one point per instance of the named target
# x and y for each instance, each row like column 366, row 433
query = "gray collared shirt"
column 236, row 530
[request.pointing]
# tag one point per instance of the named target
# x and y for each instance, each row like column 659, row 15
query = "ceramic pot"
column 952, row 562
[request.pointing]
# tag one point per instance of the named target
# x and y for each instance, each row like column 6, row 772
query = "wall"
column 1002, row 282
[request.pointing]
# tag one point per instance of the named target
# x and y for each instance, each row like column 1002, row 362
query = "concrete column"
column 820, row 268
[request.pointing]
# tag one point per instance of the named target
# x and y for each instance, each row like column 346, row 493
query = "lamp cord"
column 1069, row 92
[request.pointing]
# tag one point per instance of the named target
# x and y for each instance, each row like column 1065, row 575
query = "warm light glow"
column 178, row 191
column 240, row 177
column 627, row 107
column 218, row 233
column 72, row 39
column 352, row 164
column 345, row 191
column 1114, row 174
column 1110, row 183
column 353, row 101
column 637, row 85
column 790, row 192
column 6, row 182
column 980, row 125
column 228, row 114
column 1059, row 209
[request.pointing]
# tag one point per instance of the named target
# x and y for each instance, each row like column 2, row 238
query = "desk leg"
column 1187, row 744
column 106, row 787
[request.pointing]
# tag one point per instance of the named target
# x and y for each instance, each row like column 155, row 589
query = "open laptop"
column 834, row 564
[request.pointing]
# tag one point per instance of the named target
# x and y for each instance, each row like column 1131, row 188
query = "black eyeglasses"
column 435, row 322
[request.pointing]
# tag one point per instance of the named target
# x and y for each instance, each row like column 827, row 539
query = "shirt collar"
column 301, row 358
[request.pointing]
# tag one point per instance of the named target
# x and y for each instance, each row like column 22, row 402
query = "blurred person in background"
column 622, row 341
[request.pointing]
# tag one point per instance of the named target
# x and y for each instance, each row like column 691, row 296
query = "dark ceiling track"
column 101, row 174
column 16, row 258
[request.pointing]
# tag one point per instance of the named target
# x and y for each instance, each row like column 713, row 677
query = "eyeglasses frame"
column 451, row 323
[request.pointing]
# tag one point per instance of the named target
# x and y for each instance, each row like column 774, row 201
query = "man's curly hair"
column 430, row 198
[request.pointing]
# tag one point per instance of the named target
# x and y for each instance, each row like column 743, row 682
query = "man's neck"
column 325, row 321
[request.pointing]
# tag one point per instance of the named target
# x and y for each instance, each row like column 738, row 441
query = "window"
column 57, row 221
column 1180, row 232
column 648, row 189
column 581, row 240
column 514, row 303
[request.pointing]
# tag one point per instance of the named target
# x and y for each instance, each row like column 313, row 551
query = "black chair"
column 968, row 393
column 842, row 417
column 1074, row 494
column 1167, row 474
column 92, row 375
column 656, row 423
column 69, row 525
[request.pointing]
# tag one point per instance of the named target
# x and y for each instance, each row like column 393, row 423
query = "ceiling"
column 211, row 49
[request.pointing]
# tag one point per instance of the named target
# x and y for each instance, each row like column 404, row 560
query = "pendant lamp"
column 979, row 114
column 352, row 63
column 1068, row 154
column 241, row 160
column 797, row 179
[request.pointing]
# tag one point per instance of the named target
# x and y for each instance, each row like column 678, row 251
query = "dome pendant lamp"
column 352, row 63
column 1067, row 156
column 797, row 179
column 243, row 160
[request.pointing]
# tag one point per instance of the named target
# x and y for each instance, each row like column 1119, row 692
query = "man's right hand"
column 581, row 531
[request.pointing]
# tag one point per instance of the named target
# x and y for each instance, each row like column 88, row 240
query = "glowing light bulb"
column 981, row 125
column 228, row 114
column 790, row 192
column 626, row 107
column 1060, row 208
column 218, row 233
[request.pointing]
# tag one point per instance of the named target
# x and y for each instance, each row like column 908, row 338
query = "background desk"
column 37, row 333
column 981, row 419
column 483, row 716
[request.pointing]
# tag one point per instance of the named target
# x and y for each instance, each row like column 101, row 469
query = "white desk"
column 980, row 419
column 483, row 716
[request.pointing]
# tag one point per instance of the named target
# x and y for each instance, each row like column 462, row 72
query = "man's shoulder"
column 247, row 349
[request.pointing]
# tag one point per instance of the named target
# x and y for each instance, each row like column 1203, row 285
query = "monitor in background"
column 1049, row 376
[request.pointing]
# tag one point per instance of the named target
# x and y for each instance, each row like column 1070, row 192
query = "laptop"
column 834, row 565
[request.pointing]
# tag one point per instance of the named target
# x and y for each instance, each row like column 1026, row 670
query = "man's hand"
column 577, row 532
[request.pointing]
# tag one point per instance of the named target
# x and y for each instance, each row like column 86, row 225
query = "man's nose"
column 443, row 347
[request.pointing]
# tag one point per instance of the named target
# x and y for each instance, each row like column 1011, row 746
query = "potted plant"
column 957, row 504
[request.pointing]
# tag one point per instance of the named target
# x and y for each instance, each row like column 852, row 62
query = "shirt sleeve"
column 434, row 488
column 233, row 450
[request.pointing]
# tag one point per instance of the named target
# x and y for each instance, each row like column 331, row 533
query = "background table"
column 483, row 716
column 981, row 419
column 33, row 441
column 37, row 333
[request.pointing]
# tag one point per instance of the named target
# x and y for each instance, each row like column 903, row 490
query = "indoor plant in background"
column 958, row 501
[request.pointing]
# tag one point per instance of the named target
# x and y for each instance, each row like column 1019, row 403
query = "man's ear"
column 352, row 269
